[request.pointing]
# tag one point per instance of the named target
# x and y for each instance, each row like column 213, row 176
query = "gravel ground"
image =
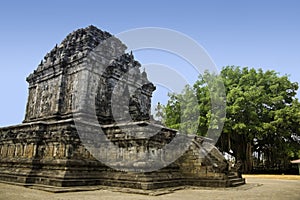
column 256, row 188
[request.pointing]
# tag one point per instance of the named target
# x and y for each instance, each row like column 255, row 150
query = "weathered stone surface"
column 47, row 149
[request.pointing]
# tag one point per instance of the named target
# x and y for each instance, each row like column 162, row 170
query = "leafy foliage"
column 262, row 114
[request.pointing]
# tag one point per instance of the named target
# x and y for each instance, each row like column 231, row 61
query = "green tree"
column 262, row 113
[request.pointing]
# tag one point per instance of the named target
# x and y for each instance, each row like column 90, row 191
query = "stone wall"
column 52, row 154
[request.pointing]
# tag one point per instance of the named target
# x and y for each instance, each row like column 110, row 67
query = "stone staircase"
column 234, row 180
column 217, row 160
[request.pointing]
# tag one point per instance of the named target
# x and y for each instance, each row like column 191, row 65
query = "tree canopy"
column 262, row 122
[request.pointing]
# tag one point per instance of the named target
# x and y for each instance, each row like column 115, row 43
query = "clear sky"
column 259, row 34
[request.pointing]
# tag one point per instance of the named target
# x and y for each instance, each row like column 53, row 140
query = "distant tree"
column 159, row 112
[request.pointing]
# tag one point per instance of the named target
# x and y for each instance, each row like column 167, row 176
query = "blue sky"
column 259, row 34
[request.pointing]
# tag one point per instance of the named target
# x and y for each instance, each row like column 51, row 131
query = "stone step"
column 234, row 182
column 235, row 179
column 232, row 176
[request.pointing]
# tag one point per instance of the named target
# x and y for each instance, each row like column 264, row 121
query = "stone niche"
column 46, row 149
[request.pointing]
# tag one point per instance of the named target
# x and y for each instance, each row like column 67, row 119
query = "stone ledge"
column 154, row 192
column 54, row 189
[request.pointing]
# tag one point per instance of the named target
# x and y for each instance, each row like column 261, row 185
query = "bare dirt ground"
column 257, row 187
column 270, row 176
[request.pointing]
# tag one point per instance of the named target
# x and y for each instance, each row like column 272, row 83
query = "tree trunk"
column 244, row 154
column 249, row 157
column 258, row 158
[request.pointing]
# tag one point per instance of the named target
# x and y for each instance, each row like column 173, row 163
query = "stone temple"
column 88, row 122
